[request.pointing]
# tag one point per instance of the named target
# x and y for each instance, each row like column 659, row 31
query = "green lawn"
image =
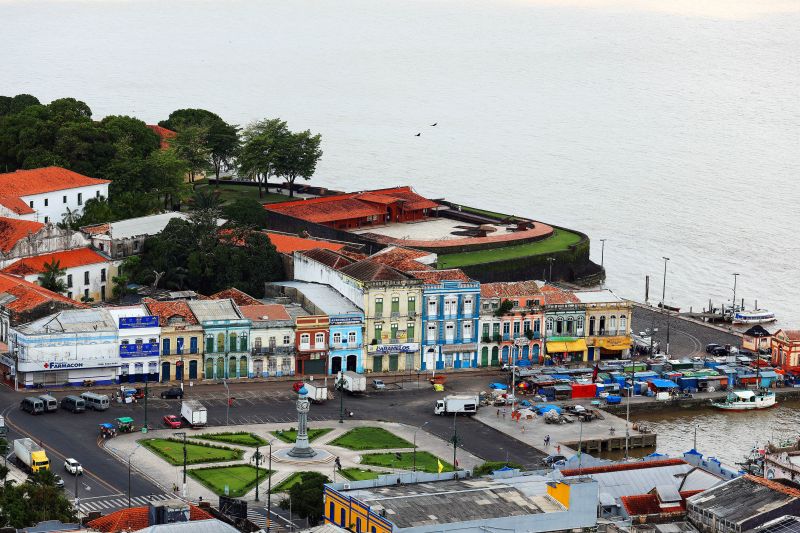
column 289, row 482
column 426, row 462
column 172, row 452
column 229, row 192
column 370, row 438
column 557, row 242
column 289, row 435
column 360, row 474
column 242, row 439
column 239, row 478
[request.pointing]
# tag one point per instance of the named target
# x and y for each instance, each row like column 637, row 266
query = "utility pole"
column 602, row 252
column 129, row 475
column 228, row 401
column 414, row 468
column 580, row 447
column 269, row 490
column 340, row 387
column 146, row 394
column 550, row 260
column 182, row 434
column 257, row 458
column 733, row 306
column 663, row 301
column 455, row 441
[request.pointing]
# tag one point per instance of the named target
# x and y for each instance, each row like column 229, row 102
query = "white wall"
column 306, row 269
column 94, row 286
column 56, row 207
column 47, row 240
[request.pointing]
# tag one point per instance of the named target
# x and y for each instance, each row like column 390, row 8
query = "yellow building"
column 181, row 340
column 608, row 323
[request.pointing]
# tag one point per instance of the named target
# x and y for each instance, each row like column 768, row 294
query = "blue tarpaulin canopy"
column 106, row 425
column 544, row 407
column 501, row 386
column 663, row 383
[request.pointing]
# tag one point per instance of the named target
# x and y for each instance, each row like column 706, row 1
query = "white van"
column 98, row 402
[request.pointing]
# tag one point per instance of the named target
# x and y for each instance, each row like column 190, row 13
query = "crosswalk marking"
column 112, row 504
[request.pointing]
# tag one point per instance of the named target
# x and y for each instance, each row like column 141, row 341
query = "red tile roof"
column 368, row 270
column 13, row 230
column 411, row 200
column 792, row 334
column 38, row 181
column 404, row 259
column 287, row 244
column 774, row 485
column 648, row 504
column 553, row 295
column 328, row 257
column 270, row 311
column 67, row 259
column 239, row 297
column 433, row 277
column 164, row 134
column 639, row 465
column 510, row 289
column 170, row 309
column 136, row 518
column 28, row 296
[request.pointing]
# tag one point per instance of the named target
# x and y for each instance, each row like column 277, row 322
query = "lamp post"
column 146, row 394
column 269, row 488
column 183, row 435
column 257, row 459
column 340, row 387
column 130, row 455
column 550, row 260
column 228, row 401
column 602, row 252
column 414, row 468
column 455, row 441
column 733, row 307
column 663, row 301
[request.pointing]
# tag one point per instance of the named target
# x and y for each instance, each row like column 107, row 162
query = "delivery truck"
column 30, row 456
column 457, row 404
column 194, row 413
column 351, row 382
column 316, row 393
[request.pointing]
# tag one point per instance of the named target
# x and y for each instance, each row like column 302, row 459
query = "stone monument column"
column 301, row 447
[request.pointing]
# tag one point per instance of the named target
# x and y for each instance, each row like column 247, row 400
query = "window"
column 319, row 340
column 591, row 325
column 46, row 220
column 379, row 306
column 526, row 326
column 410, row 332
column 165, row 347
column 69, row 280
column 450, row 306
column 135, row 246
column 449, row 331
column 378, row 332
column 243, row 342
column 31, row 204
column 46, row 202
column 394, row 328
column 337, row 338
column 351, row 337
column 432, row 306
column 86, row 294
column 432, row 332
column 179, row 346
column 496, row 328
column 80, row 198
column 395, row 305
column 232, row 341
column 467, row 331
column 287, row 339
column 570, row 325
column 485, row 329
column 97, row 194
column 125, row 342
column 468, row 305
column 209, row 344
column 612, row 324
column 64, row 200
column 102, row 274
column 516, row 328
column 220, row 342
column 103, row 293
column 537, row 326
column 623, row 325
column 86, row 277
column 529, row 303
column 559, row 325
column 506, row 328
column 69, row 295
column 193, row 345
column 412, row 305
column 272, row 365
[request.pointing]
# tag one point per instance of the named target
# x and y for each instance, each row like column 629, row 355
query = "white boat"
column 757, row 316
column 746, row 400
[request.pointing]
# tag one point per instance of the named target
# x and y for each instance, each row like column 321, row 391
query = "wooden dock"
column 615, row 443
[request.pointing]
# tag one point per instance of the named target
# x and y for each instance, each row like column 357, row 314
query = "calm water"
column 668, row 127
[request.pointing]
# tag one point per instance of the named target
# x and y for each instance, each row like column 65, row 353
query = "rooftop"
column 14, row 185
column 20, row 296
column 13, row 230
column 133, row 227
column 71, row 321
column 66, row 259
column 434, row 277
column 287, row 244
column 326, row 298
column 136, row 518
column 329, row 258
column 164, row 134
column 554, row 296
column 650, row 504
column 170, row 311
column 436, row 228
column 211, row 525
column 510, row 289
column 725, row 502
column 232, row 293
column 443, row 502
column 603, row 296
column 405, row 259
column 263, row 312
column 368, row 270
column 208, row 310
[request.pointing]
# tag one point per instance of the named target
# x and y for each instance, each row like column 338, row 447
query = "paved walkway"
column 165, row 475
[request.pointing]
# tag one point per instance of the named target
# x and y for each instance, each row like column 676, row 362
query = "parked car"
column 553, row 460
column 139, row 394
column 711, row 347
column 73, row 467
column 378, row 384
column 59, row 482
column 719, row 351
column 172, row 393
column 172, row 421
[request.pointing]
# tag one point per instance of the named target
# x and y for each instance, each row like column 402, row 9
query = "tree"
column 261, row 145
column 191, row 145
column 306, row 497
column 127, row 270
column 50, row 278
column 298, row 155
column 15, row 104
column 16, row 509
column 95, row 211
column 247, row 212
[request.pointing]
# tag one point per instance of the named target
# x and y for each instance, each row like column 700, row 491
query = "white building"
column 47, row 194
column 87, row 273
column 124, row 238
column 71, row 347
column 25, row 238
column 139, row 342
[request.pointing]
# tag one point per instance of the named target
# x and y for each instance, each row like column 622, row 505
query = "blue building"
column 450, row 312
column 346, row 344
column 227, row 339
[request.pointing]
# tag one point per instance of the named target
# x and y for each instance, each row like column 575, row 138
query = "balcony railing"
column 270, row 350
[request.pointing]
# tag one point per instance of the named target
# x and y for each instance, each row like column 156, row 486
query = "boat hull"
column 764, row 403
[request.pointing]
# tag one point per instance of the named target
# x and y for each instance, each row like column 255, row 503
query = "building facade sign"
column 393, row 348
column 130, row 322
column 49, row 366
column 346, row 320
column 138, row 350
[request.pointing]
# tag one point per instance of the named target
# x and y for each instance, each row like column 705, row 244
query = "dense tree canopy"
column 51, row 502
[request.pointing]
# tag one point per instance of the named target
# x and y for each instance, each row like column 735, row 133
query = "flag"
column 441, row 466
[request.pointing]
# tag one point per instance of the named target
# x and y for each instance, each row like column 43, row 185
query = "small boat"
column 746, row 400
column 757, row 316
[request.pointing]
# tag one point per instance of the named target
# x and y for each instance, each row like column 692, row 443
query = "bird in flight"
column 418, row 134
column 435, row 123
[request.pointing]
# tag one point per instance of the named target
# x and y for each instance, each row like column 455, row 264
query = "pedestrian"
column 558, row 449
column 523, row 428
column 504, row 414
column 498, row 413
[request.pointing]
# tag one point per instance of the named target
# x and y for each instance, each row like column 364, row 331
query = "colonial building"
column 181, row 340
column 139, row 341
column 757, row 339
column 565, row 318
column 25, row 238
column 86, row 272
column 785, row 347
column 72, row 347
column 311, row 344
column 608, row 316
column 272, row 336
column 511, row 323
column 450, row 306
column 227, row 339
column 47, row 194
column 125, row 238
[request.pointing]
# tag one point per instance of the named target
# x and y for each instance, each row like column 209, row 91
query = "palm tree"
column 50, row 278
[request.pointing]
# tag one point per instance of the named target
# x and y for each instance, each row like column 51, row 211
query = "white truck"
column 194, row 413
column 30, row 456
column 457, row 403
column 316, row 393
column 351, row 382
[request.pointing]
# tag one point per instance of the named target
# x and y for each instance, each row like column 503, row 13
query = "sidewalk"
column 164, row 475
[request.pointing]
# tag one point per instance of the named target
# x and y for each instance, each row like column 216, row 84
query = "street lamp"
column 455, row 441
column 340, row 387
column 146, row 394
column 414, row 469
column 269, row 489
column 183, row 434
column 602, row 251
column 550, row 260
column 130, row 455
column 733, row 307
column 663, row 301
column 228, row 402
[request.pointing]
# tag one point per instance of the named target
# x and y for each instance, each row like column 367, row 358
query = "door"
column 495, row 358
column 377, row 363
column 393, row 366
column 192, row 369
column 336, row 365
column 220, row 368
column 244, row 371
column 258, row 367
column 352, row 363
column 485, row 356
column 179, row 370
column 314, row 366
column 232, row 368
column 164, row 371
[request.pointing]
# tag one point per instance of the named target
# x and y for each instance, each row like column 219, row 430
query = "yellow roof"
column 578, row 345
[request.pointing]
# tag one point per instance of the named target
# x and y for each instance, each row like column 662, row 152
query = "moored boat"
column 757, row 316
column 746, row 400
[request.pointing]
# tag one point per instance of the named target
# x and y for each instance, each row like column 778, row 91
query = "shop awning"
column 613, row 343
column 578, row 345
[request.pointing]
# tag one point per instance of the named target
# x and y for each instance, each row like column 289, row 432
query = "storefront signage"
column 49, row 366
column 130, row 322
column 345, row 320
column 138, row 350
column 393, row 348
column 6, row 360
column 453, row 348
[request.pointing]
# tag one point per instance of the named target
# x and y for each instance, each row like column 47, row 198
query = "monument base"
column 320, row 457
column 302, row 452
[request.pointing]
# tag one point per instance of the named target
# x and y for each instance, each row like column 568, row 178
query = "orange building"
column 785, row 347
